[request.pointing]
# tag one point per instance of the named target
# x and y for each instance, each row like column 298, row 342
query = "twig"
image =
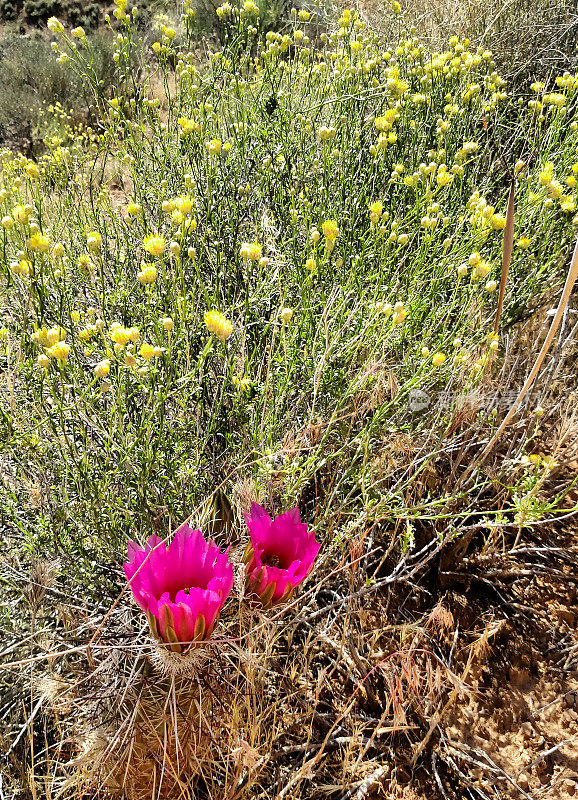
column 544, row 755
column 396, row 576
column 437, row 777
column 360, row 790
column 507, row 253
column 24, row 727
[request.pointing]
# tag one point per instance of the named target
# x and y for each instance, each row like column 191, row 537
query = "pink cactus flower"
column 182, row 587
column 280, row 555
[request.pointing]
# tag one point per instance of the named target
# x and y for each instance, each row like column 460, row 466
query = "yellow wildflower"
column 147, row 351
column 214, row 147
column 218, row 324
column 102, row 368
column 148, row 273
column 118, row 334
column 251, row 252
column 59, row 351
column 22, row 214
column 154, row 244
column 39, row 243
column 55, row 26
column 94, row 241
column 134, row 210
column 32, row 170
column 188, row 126
column 330, row 230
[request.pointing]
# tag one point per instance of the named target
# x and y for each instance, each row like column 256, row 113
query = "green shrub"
column 91, row 16
column 9, row 10
column 529, row 38
column 32, row 80
column 38, row 11
column 341, row 205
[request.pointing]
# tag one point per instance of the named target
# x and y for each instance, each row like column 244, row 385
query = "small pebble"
column 522, row 781
column 527, row 730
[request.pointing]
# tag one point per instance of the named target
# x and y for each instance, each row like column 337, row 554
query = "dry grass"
column 529, row 38
column 352, row 687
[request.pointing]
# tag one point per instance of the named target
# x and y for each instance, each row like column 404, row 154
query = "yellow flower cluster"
column 480, row 267
column 224, row 10
column 218, row 324
column 483, row 214
column 39, row 243
column 59, row 351
column 52, row 340
column 554, row 188
column 251, row 251
column 385, row 122
column 331, row 232
column 134, row 210
column 327, row 134
column 94, row 241
column 87, row 333
column 55, row 26
column 32, row 170
column 148, row 273
column 214, row 147
column 443, row 177
column 102, row 369
column 47, row 337
column 180, row 209
column 121, row 335
column 467, row 150
column 154, row 244
column 189, row 126
column 148, row 351
column 375, row 211
column 22, row 213
column 400, row 313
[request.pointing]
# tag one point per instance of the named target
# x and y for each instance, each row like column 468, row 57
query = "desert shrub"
column 529, row 38
column 37, row 11
column 274, row 15
column 271, row 275
column 91, row 16
column 298, row 236
column 9, row 10
column 32, row 80
column 85, row 14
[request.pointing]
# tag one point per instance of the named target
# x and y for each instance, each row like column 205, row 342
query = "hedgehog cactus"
column 148, row 720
